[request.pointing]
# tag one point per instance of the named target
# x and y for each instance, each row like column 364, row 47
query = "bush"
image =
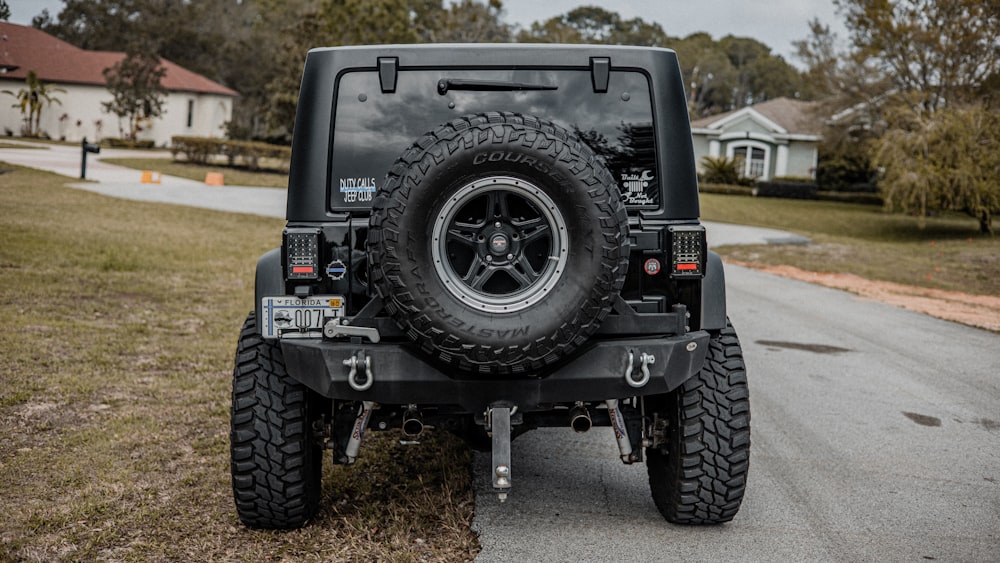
column 798, row 179
column 724, row 189
column 784, row 189
column 247, row 154
column 720, row 170
column 850, row 197
column 116, row 143
column 840, row 171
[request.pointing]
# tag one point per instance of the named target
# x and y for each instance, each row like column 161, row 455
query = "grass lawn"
column 9, row 145
column 120, row 321
column 233, row 176
column 947, row 253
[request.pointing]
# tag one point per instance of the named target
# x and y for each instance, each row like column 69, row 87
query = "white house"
column 779, row 137
column 194, row 105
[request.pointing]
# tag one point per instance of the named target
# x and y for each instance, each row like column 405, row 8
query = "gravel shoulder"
column 980, row 311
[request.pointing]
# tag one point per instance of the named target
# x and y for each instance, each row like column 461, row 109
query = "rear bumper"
column 402, row 376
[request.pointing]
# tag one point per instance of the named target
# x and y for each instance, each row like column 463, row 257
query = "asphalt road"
column 876, row 431
column 875, row 437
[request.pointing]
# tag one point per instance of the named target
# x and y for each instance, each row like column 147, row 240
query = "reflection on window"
column 373, row 129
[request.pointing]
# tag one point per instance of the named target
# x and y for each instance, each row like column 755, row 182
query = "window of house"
column 190, row 113
column 751, row 160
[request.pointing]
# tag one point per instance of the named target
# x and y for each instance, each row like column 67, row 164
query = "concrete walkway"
column 121, row 182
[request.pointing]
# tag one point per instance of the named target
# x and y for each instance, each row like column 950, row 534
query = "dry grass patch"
column 120, row 321
column 948, row 253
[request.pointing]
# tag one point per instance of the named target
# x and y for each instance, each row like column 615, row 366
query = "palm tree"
column 32, row 99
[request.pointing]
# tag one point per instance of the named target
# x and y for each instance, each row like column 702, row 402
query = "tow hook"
column 360, row 363
column 645, row 360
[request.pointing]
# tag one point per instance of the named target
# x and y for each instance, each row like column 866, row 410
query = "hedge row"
column 117, row 143
column 248, row 154
column 724, row 189
column 793, row 190
column 866, row 198
column 785, row 189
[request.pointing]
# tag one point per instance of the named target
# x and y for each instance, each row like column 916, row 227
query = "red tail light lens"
column 688, row 251
column 302, row 254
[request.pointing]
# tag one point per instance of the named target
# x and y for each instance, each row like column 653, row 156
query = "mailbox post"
column 87, row 147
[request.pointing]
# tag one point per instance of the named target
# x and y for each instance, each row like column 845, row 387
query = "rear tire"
column 700, row 475
column 276, row 464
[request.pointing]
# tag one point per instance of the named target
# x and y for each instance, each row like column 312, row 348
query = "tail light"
column 302, row 254
column 688, row 251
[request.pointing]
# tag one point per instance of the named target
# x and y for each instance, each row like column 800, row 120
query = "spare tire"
column 498, row 242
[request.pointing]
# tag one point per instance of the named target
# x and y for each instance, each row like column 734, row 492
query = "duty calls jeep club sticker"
column 634, row 186
column 358, row 189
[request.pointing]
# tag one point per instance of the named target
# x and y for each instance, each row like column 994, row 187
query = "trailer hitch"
column 498, row 426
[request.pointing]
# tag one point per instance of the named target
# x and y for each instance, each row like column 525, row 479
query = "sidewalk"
column 121, row 182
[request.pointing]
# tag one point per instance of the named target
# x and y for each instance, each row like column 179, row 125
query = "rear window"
column 373, row 128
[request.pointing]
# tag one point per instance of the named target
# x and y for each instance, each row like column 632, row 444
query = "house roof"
column 25, row 48
column 795, row 117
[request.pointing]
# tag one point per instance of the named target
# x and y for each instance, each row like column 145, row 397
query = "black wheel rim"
column 499, row 244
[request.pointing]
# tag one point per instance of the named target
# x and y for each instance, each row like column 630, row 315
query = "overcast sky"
column 776, row 23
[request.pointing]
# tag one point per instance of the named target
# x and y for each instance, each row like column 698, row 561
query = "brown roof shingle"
column 795, row 116
column 54, row 60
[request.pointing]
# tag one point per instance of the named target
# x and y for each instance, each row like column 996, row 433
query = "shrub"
column 784, row 189
column 724, row 189
column 720, row 170
column 850, row 197
column 246, row 154
column 116, row 143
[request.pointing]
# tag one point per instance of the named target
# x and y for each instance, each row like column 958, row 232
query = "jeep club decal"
column 358, row 189
column 634, row 187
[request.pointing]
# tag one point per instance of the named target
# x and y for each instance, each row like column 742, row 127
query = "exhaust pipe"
column 579, row 418
column 413, row 423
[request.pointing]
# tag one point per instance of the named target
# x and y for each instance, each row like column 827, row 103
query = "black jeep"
column 487, row 239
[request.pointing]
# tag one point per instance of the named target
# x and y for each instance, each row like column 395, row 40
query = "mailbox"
column 87, row 147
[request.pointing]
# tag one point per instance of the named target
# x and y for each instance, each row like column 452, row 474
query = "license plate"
column 291, row 317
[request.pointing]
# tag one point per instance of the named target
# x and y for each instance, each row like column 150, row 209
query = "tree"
column 590, row 24
column 4, row 10
column 916, row 89
column 470, row 21
column 100, row 25
column 32, row 99
column 760, row 75
column 734, row 72
column 134, row 83
column 944, row 50
column 943, row 160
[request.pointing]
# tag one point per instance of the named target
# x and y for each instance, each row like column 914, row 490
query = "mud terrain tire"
column 700, row 476
column 275, row 463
